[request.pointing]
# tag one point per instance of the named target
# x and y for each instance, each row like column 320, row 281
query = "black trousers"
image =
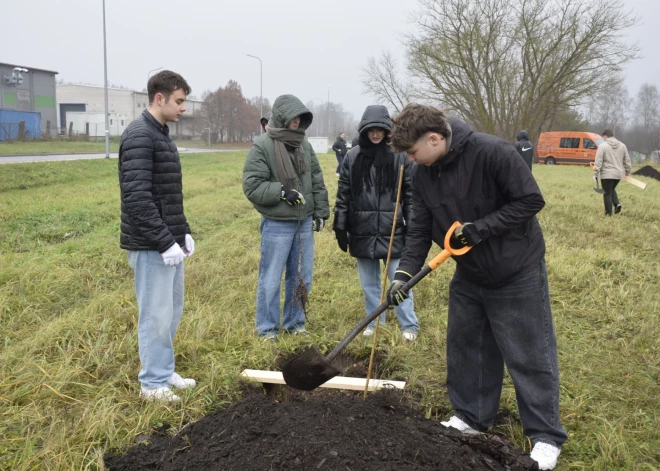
column 610, row 196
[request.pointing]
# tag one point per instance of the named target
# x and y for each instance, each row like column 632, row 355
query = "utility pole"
column 105, row 86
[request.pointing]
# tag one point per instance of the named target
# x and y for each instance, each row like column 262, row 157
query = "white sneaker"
column 368, row 332
column 159, row 394
column 461, row 426
column 176, row 381
column 409, row 335
column 545, row 455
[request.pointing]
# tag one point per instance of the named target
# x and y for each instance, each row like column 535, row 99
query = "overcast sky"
column 305, row 45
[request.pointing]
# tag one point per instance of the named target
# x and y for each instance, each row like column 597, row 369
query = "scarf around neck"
column 292, row 138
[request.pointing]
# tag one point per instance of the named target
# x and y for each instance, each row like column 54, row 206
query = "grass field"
column 81, row 147
column 68, row 316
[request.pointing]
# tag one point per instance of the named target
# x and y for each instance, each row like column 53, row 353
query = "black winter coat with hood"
column 368, row 215
column 481, row 180
column 152, row 215
column 525, row 148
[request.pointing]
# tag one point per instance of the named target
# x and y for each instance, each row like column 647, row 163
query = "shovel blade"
column 308, row 371
column 599, row 191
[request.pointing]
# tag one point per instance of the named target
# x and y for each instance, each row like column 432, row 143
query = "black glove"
column 395, row 295
column 342, row 239
column 318, row 224
column 292, row 196
column 468, row 234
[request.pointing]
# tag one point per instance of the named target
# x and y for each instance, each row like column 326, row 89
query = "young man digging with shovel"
column 499, row 307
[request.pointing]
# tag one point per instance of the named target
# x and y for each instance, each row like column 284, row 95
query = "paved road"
column 13, row 159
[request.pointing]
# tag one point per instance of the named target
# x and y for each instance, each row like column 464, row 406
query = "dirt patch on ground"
column 323, row 430
column 648, row 171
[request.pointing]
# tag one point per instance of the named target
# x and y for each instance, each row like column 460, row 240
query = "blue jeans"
column 159, row 290
column 280, row 245
column 340, row 161
column 512, row 325
column 370, row 280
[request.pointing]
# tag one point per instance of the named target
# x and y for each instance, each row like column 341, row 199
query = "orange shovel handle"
column 448, row 251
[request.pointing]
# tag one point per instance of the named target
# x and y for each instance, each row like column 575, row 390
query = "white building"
column 122, row 103
column 93, row 124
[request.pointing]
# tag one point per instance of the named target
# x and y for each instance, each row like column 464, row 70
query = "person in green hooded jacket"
column 282, row 178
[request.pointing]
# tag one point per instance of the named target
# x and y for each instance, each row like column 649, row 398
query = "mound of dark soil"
column 648, row 171
column 330, row 431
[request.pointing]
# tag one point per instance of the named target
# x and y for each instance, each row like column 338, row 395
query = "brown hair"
column 166, row 82
column 608, row 133
column 413, row 122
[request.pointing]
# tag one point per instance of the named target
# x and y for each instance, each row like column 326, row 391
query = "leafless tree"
column 506, row 65
column 610, row 106
column 381, row 79
column 647, row 110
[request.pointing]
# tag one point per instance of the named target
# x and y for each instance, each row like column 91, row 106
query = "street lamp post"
column 154, row 70
column 261, row 90
column 328, row 111
column 105, row 86
column 318, row 128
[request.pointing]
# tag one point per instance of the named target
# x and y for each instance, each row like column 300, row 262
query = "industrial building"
column 123, row 104
column 24, row 92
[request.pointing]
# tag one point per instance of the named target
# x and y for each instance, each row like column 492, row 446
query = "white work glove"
column 173, row 256
column 189, row 248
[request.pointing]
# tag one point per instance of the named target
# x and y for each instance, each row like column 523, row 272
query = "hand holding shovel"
column 311, row 369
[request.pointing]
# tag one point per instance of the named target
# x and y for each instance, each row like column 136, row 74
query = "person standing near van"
column 525, row 148
column 612, row 164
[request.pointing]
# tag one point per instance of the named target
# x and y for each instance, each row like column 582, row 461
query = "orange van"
column 568, row 147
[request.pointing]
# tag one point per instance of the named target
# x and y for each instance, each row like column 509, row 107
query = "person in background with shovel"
column 612, row 164
column 282, row 178
column 364, row 212
column 499, row 306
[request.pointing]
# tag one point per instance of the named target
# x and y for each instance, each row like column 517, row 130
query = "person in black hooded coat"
column 525, row 148
column 364, row 211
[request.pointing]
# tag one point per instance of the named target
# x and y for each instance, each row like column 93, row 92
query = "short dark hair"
column 165, row 82
column 608, row 133
column 413, row 122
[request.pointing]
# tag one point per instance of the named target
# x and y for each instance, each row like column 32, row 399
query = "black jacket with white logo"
column 525, row 148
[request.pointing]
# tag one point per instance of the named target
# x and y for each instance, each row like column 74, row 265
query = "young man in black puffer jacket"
column 155, row 232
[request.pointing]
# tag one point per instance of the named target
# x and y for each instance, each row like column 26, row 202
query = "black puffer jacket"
column 481, row 180
column 525, row 148
column 368, row 217
column 152, row 215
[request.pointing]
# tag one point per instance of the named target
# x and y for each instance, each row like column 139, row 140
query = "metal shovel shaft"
column 379, row 310
column 310, row 369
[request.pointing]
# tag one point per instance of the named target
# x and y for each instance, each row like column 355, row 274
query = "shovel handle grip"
column 447, row 252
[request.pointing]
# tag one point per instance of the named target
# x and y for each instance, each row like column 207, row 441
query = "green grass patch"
column 68, row 316
column 55, row 147
column 83, row 147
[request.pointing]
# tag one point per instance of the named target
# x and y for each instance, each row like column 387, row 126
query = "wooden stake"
column 387, row 269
